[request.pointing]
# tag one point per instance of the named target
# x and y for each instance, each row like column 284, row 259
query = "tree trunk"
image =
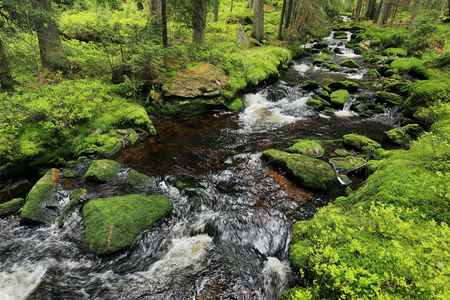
column 164, row 22
column 415, row 13
column 199, row 22
column 249, row 4
column 387, row 13
column 6, row 80
column 50, row 47
column 154, row 8
column 280, row 28
column 216, row 12
column 231, row 8
column 288, row 14
column 382, row 13
column 258, row 20
column 358, row 10
column 370, row 10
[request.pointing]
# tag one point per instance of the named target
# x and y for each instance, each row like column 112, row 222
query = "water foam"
column 21, row 280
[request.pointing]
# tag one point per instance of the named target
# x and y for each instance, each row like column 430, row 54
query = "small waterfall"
column 276, row 277
column 345, row 111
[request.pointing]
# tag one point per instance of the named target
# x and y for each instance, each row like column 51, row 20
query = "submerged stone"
column 76, row 199
column 136, row 179
column 36, row 209
column 11, row 206
column 350, row 63
column 102, row 170
column 309, row 172
column 309, row 148
column 113, row 223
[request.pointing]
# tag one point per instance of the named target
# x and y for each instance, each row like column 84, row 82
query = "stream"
column 228, row 235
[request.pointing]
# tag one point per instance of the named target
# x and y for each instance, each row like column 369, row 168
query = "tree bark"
column 216, row 12
column 415, row 13
column 199, row 22
column 6, row 80
column 50, row 47
column 358, row 10
column 249, row 4
column 370, row 9
column 280, row 28
column 164, row 22
column 258, row 20
column 288, row 14
column 381, row 14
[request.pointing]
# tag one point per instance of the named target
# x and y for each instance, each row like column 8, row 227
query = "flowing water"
column 228, row 235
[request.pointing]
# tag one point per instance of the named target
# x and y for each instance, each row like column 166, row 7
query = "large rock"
column 339, row 97
column 389, row 98
column 350, row 63
column 113, row 223
column 103, row 170
column 39, row 208
column 361, row 143
column 309, row 172
column 404, row 135
column 203, row 80
column 309, row 148
column 11, row 206
column 309, row 85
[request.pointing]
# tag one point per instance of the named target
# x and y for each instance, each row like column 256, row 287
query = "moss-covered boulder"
column 112, row 146
column 103, row 170
column 339, row 97
column 427, row 92
column 76, row 199
column 201, row 80
column 360, row 142
column 113, row 223
column 136, row 179
column 321, row 59
column 11, row 206
column 309, row 148
column 404, row 135
column 309, row 172
column 350, row 86
column 342, row 152
column 350, row 63
column 332, row 66
column 347, row 163
column 37, row 209
column 389, row 98
column 373, row 74
column 136, row 117
column 309, row 85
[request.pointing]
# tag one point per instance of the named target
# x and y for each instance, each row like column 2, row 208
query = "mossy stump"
column 113, row 223
column 35, row 210
column 309, row 172
column 102, row 171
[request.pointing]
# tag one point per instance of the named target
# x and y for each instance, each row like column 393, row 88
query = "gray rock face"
column 242, row 37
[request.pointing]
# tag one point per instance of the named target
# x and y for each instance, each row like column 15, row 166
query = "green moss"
column 350, row 63
column 332, row 66
column 111, row 147
column 339, row 97
column 102, row 170
column 350, row 86
column 348, row 163
column 405, row 64
column 342, row 152
column 35, row 210
column 307, row 147
column 395, row 52
column 113, row 223
column 309, row 172
column 373, row 74
column 404, row 135
column 316, row 103
column 428, row 92
column 357, row 141
column 389, row 98
column 236, row 105
column 321, row 59
column 136, row 179
column 11, row 206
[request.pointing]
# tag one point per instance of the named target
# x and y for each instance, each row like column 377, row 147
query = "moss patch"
column 102, row 170
column 113, row 223
column 404, row 135
column 389, row 98
column 309, row 172
column 339, row 97
column 348, row 163
column 357, row 141
column 112, row 146
column 349, row 63
column 11, row 206
column 136, row 179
